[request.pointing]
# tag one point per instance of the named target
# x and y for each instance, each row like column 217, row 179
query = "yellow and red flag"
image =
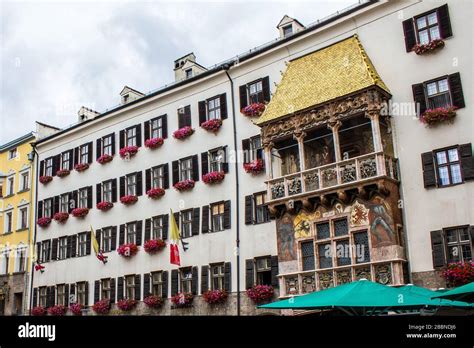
column 95, row 245
column 174, row 241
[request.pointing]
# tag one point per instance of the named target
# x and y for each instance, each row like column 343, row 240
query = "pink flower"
column 155, row 192
column 153, row 301
column 80, row 212
column 38, row 311
column 459, row 273
column 61, row 217
column 128, row 151
column 429, row 47
column 213, row 177
column 183, row 133
column 255, row 167
column 105, row 159
column 44, row 221
column 259, row 293
column 102, row 306
column 104, row 206
column 130, row 199
column 126, row 304
column 253, row 110
column 61, row 173
column 182, row 299
column 127, row 250
column 432, row 117
column 58, row 310
column 212, row 125
column 45, row 179
column 154, row 143
column 215, row 296
column 80, row 167
column 184, row 185
column 154, row 245
column 76, row 309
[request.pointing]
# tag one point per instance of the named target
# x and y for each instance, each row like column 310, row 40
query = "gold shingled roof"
column 319, row 77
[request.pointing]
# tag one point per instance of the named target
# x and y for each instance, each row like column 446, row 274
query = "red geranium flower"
column 76, row 309
column 44, row 221
column 212, row 125
column 61, row 173
column 432, row 117
column 130, row 199
column 128, row 151
column 459, row 273
column 80, row 212
column 183, row 133
column 58, row 310
column 127, row 250
column 182, row 299
column 153, row 301
column 213, row 177
column 429, row 47
column 61, row 217
column 45, row 179
column 38, row 311
column 80, row 167
column 255, row 167
column 104, row 206
column 102, row 306
column 215, row 296
column 154, row 245
column 259, row 293
column 126, row 304
column 154, row 143
column 184, row 185
column 253, row 110
column 155, row 192
column 105, row 159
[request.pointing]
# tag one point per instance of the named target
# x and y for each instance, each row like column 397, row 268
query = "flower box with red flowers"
column 58, row 310
column 184, row 185
column 459, row 273
column 104, row 206
column 76, row 309
column 154, row 245
column 260, row 293
column 61, row 173
column 61, row 217
column 182, row 299
column 255, row 167
column 183, row 133
column 212, row 125
column 80, row 212
column 102, row 306
column 44, row 221
column 80, row 167
column 153, row 301
column 128, row 151
column 154, row 143
column 253, row 110
column 38, row 311
column 215, row 296
column 433, row 117
column 213, row 177
column 126, row 304
column 105, row 159
column 128, row 200
column 45, row 179
column 155, row 192
column 127, row 250
column 429, row 47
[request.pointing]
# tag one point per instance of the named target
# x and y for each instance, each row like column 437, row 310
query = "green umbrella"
column 359, row 295
column 430, row 294
column 462, row 293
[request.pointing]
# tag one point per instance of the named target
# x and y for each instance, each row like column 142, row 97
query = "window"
column 264, row 271
column 83, row 198
column 427, row 28
column 157, row 227
column 214, row 108
column 48, row 208
column 20, row 259
column 81, row 293
column 458, row 244
column 448, row 167
column 186, row 223
column 131, row 136
column 65, row 160
column 106, row 236
column 24, row 181
column 106, row 291
column 82, row 244
column 343, row 253
column 255, row 92
column 158, row 177
column 11, row 185
column 61, row 294
column 84, row 154
column 287, row 30
column 62, row 248
column 45, row 250
column 107, row 142
column 322, row 230
column 8, row 221
column 361, row 242
column 186, row 169
column 216, row 158
column 157, row 284
column 131, row 184
column 130, row 287
column 107, row 191
column 156, row 127
column 12, row 154
column 64, row 203
column 23, row 217
column 217, row 277
column 43, row 296
column 189, row 73
column 261, row 209
column 341, row 228
column 1, row 190
column 217, row 217
column 186, row 280
column 438, row 94
column 132, row 232
column 307, row 255
column 325, row 255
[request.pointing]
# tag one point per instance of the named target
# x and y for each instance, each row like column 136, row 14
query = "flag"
column 39, row 267
column 174, row 239
column 95, row 245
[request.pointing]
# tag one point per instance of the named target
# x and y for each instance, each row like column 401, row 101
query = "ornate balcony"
column 338, row 175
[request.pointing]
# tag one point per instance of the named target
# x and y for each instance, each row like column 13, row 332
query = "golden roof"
column 321, row 76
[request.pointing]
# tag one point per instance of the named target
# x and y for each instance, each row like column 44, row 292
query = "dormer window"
column 189, row 73
column 287, row 30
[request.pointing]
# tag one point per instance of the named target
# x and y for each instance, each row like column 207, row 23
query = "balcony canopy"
column 322, row 76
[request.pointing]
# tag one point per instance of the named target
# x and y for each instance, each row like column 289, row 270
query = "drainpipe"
column 32, row 249
column 237, row 191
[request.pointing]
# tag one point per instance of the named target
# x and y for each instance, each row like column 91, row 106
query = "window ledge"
column 8, row 196
column 22, row 229
column 18, row 273
column 6, row 233
column 22, row 191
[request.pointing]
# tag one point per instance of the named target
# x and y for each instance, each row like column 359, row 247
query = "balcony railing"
column 354, row 170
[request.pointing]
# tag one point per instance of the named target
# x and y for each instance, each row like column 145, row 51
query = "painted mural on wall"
column 381, row 224
column 286, row 238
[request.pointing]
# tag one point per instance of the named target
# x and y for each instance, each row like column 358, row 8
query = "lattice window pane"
column 341, row 228
column 325, row 258
column 307, row 251
column 343, row 253
column 322, row 231
column 361, row 241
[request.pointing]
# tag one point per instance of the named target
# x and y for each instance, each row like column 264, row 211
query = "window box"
column 61, row 217
column 213, row 177
column 44, row 222
column 255, row 167
column 154, row 245
column 212, row 125
column 155, row 193
column 80, row 212
column 76, row 309
column 128, row 151
column 433, row 117
column 429, row 47
column 104, row 206
column 153, row 301
column 80, row 167
column 253, row 110
column 128, row 250
column 215, row 296
column 459, row 273
column 128, row 200
column 182, row 299
column 127, row 304
column 154, row 143
column 62, row 173
column 45, row 179
column 38, row 311
column 102, row 306
column 105, row 159
column 58, row 310
column 183, row 133
column 184, row 185
column 260, row 293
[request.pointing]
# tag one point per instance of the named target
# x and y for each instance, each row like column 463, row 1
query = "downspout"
column 237, row 191
column 32, row 248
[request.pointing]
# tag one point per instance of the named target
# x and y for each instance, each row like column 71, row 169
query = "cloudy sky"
column 56, row 56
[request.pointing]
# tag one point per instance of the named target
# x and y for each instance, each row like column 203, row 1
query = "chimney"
column 288, row 26
column 86, row 114
column 129, row 94
column 187, row 67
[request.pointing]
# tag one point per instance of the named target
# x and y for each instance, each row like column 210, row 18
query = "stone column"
column 374, row 117
column 267, row 149
column 299, row 137
column 334, row 126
